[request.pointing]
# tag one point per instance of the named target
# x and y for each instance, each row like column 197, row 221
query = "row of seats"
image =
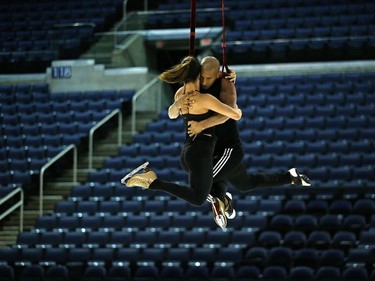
column 210, row 253
column 281, row 6
column 319, row 25
column 247, row 32
column 295, row 50
column 173, row 271
column 337, row 80
column 257, row 198
column 311, row 15
column 95, row 197
column 302, row 230
column 34, row 96
column 51, row 127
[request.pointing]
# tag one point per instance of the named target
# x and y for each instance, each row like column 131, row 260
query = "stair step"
column 10, row 230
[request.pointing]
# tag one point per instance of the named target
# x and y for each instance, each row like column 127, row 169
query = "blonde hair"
column 186, row 71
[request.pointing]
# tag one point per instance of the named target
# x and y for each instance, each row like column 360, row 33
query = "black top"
column 197, row 117
column 227, row 133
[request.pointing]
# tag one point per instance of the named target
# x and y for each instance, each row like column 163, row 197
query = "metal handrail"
column 142, row 91
column 16, row 205
column 98, row 125
column 48, row 164
column 118, row 25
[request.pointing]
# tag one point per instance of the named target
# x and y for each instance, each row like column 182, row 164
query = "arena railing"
column 151, row 101
column 48, row 164
column 18, row 204
column 100, row 124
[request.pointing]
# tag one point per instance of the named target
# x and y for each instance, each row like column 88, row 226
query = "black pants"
column 196, row 160
column 229, row 167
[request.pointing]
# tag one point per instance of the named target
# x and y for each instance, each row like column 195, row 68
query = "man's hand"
column 194, row 128
column 186, row 101
column 231, row 76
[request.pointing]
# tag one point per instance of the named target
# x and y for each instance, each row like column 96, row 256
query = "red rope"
column 224, row 44
column 193, row 11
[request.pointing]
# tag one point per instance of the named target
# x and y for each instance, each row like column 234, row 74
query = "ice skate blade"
column 132, row 173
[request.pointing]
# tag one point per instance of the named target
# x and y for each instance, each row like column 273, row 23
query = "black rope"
column 193, row 12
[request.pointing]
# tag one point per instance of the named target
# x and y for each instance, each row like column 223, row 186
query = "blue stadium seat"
column 197, row 270
column 117, row 272
column 120, row 238
column 148, row 237
column 32, row 272
column 46, row 222
column 223, row 270
column 146, row 271
column 94, row 272
column 7, row 272
column 269, row 239
column 30, row 256
column 355, row 273
column 170, row 237
column 160, row 221
column 178, row 254
column 317, row 207
column 327, row 273
column 330, row 222
column 281, row 222
column 319, row 239
column 90, row 223
column 343, row 207
column 275, row 272
column 50, row 238
column 131, row 207
column 29, row 239
column 185, row 220
column 256, row 222
column 55, row 256
column 194, row 237
column 245, row 272
column 295, row 239
column 307, row 257
column 365, row 207
column 76, row 239
column 344, row 239
column 354, row 222
column 205, row 254
column 294, row 206
column 80, row 192
column 78, row 256
column 280, row 256
column 176, row 206
column 305, row 223
column 301, row 273
column 86, row 207
column 109, row 207
column 137, row 221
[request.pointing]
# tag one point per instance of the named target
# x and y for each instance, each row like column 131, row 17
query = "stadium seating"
column 34, row 34
column 322, row 124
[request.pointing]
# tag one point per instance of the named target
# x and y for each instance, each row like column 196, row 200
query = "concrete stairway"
column 59, row 188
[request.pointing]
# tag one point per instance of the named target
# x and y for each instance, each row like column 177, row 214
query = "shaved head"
column 210, row 71
column 209, row 63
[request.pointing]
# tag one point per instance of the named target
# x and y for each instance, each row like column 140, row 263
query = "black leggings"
column 196, row 160
column 229, row 166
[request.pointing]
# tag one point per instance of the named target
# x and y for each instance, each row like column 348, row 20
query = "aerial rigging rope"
column 224, row 44
column 193, row 12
